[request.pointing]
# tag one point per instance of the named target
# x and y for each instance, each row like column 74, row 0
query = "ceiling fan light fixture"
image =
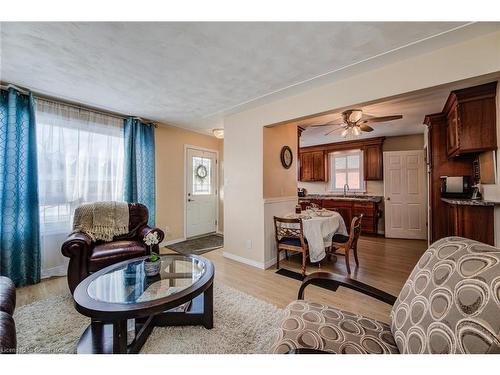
column 355, row 115
column 356, row 130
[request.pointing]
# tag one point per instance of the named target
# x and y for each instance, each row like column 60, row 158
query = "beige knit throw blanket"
column 102, row 220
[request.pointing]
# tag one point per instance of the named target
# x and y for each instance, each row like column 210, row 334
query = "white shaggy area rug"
column 242, row 324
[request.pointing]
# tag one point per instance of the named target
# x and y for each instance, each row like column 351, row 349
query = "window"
column 202, row 175
column 80, row 159
column 347, row 168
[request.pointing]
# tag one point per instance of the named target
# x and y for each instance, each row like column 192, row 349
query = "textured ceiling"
column 182, row 73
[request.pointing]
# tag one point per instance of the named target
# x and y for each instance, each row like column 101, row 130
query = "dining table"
column 319, row 228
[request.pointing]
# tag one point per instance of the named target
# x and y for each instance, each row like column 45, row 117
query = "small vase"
column 152, row 268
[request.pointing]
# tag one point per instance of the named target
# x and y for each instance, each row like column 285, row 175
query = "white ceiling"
column 413, row 106
column 186, row 73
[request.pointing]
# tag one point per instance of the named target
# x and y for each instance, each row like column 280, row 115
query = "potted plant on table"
column 153, row 263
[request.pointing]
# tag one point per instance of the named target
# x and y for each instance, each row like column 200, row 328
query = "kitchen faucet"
column 346, row 189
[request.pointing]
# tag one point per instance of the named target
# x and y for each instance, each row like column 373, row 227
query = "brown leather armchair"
column 87, row 256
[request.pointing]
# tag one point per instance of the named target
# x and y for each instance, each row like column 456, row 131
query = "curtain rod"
column 74, row 105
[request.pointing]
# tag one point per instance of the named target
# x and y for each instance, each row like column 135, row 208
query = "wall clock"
column 286, row 157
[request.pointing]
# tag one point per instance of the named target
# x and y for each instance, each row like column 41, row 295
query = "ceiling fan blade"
column 382, row 119
column 325, row 124
column 366, row 128
column 334, row 130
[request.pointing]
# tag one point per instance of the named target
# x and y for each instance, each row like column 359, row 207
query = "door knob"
column 388, row 198
column 190, row 200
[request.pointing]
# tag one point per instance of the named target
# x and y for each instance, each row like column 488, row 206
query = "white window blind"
column 347, row 168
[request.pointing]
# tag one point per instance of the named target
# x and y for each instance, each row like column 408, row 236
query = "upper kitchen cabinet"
column 314, row 159
column 471, row 120
column 373, row 167
column 313, row 166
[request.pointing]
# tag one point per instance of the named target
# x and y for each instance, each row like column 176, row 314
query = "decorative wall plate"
column 286, row 157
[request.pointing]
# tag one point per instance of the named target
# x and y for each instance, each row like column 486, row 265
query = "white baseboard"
column 250, row 262
column 272, row 262
column 237, row 258
column 171, row 242
column 61, row 270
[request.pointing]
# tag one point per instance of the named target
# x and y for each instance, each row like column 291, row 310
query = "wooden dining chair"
column 339, row 241
column 289, row 234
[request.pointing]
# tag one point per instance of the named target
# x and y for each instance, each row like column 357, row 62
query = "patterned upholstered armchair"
column 449, row 304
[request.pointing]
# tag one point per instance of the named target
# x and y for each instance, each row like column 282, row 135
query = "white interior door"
column 201, row 192
column 405, row 194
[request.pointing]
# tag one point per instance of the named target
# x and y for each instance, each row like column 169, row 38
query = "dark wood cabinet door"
column 373, row 162
column 312, row 166
column 477, row 120
column 474, row 222
column 452, row 131
column 346, row 213
column 306, row 167
column 319, row 173
column 471, row 120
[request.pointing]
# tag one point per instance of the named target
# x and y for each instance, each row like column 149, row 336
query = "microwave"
column 456, row 186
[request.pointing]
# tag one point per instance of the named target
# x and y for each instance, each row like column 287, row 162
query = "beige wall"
column 278, row 181
column 170, row 143
column 404, row 142
column 243, row 196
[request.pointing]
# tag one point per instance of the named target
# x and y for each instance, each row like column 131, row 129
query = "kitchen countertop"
column 359, row 198
column 469, row 202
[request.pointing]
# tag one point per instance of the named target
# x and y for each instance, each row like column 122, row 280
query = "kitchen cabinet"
column 344, row 208
column 471, row 221
column 373, row 167
column 348, row 209
column 471, row 120
column 313, row 166
column 314, row 159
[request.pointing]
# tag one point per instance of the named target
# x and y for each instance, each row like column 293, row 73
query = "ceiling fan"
column 353, row 123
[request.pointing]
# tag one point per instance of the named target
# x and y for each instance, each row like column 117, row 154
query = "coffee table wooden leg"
column 208, row 307
column 120, row 337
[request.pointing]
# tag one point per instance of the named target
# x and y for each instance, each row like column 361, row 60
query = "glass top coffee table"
column 121, row 296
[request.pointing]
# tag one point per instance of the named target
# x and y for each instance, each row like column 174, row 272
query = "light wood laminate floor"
column 384, row 264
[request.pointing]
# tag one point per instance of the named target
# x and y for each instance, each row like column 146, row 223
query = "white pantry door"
column 405, row 194
column 201, row 192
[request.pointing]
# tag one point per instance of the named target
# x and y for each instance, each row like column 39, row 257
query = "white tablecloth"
column 319, row 231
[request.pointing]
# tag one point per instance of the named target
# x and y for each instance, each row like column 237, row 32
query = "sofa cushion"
column 107, row 253
column 318, row 326
column 451, row 301
column 7, row 295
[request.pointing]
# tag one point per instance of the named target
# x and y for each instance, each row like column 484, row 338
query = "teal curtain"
column 140, row 165
column 19, row 213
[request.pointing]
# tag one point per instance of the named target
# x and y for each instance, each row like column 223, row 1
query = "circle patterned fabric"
column 451, row 301
column 318, row 326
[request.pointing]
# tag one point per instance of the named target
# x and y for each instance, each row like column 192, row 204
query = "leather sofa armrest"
column 8, row 340
column 75, row 244
column 7, row 295
column 144, row 230
column 77, row 248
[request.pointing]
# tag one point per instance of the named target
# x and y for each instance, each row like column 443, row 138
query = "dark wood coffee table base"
column 111, row 337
